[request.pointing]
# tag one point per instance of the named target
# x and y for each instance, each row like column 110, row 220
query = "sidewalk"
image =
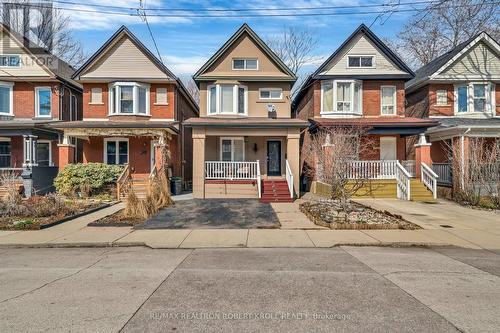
column 75, row 233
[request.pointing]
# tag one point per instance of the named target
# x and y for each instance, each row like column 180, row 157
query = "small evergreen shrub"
column 86, row 179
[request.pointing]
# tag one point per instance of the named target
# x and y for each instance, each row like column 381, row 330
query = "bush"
column 86, row 179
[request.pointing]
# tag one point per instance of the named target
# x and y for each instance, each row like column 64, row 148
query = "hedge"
column 90, row 177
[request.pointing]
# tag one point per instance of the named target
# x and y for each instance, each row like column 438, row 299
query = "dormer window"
column 245, row 64
column 360, row 61
column 227, row 99
column 128, row 98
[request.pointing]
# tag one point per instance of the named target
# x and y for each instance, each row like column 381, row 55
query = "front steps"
column 139, row 186
column 275, row 191
column 419, row 192
column 387, row 188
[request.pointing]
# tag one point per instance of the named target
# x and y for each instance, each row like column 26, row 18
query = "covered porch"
column 246, row 158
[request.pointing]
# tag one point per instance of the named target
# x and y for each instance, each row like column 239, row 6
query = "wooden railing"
column 289, row 178
column 122, row 181
column 429, row 179
column 231, row 170
column 403, row 182
column 372, row 169
column 444, row 172
column 410, row 166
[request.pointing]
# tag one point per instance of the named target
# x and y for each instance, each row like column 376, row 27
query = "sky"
column 185, row 43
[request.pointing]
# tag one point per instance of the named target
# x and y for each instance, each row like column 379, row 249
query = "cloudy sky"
column 186, row 39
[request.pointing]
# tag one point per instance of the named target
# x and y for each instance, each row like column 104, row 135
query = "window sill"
column 96, row 103
column 129, row 115
column 442, row 106
column 42, row 117
column 267, row 101
column 161, row 104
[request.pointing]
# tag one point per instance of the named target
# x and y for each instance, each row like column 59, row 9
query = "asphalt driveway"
column 214, row 214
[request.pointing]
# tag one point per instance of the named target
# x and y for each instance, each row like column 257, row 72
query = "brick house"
column 460, row 90
column 363, row 84
column 36, row 90
column 132, row 105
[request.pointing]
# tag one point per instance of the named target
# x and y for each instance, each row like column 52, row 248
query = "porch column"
column 29, row 150
column 293, row 157
column 198, row 163
column 66, row 152
column 422, row 155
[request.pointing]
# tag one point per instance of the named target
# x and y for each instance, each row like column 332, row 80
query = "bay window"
column 232, row 149
column 6, row 98
column 475, row 97
column 341, row 97
column 388, row 100
column 227, row 99
column 129, row 98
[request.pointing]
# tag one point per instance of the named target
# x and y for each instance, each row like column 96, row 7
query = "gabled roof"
column 267, row 50
column 122, row 31
column 376, row 41
column 424, row 73
column 63, row 71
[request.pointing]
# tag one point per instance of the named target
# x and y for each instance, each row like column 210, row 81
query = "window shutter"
column 161, row 95
column 96, row 96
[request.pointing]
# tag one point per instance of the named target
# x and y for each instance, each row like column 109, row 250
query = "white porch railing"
column 289, row 178
column 403, row 182
column 410, row 166
column 231, row 170
column 429, row 179
column 259, row 180
column 372, row 169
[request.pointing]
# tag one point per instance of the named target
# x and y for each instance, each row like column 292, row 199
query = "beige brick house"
column 245, row 142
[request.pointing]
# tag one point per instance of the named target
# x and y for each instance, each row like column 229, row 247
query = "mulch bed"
column 327, row 213
column 116, row 220
column 76, row 209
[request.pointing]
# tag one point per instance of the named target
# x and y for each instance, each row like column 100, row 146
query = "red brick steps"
column 275, row 191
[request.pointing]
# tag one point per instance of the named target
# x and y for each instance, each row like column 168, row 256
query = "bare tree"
column 295, row 46
column 329, row 155
column 49, row 28
column 440, row 26
column 192, row 88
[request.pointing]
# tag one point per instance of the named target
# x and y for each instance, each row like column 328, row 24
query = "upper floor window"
column 474, row 97
column 6, row 98
column 271, row 93
column 342, row 97
column 96, row 95
column 245, row 64
column 360, row 61
column 227, row 99
column 388, row 100
column 43, row 103
column 161, row 96
column 10, row 61
column 441, row 97
column 129, row 98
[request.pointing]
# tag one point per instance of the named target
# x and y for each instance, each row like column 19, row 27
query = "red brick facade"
column 24, row 99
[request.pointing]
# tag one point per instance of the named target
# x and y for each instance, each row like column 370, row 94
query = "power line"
column 144, row 16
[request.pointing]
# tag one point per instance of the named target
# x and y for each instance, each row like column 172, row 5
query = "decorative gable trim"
column 376, row 41
column 245, row 28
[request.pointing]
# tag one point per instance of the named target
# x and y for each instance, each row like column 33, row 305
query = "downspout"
column 462, row 159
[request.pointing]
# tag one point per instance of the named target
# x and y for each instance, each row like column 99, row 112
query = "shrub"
column 86, row 179
column 43, row 206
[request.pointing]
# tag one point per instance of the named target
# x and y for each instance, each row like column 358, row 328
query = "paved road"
column 350, row 289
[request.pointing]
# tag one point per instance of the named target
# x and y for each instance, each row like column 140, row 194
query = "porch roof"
column 454, row 126
column 107, row 128
column 18, row 127
column 246, row 122
column 392, row 125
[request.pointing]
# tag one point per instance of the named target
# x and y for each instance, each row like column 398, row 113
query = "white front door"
column 388, row 148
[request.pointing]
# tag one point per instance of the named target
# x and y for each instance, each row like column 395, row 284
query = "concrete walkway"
column 471, row 229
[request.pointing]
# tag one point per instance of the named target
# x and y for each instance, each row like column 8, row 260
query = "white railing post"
column 289, row 178
column 429, row 179
column 403, row 182
column 259, row 181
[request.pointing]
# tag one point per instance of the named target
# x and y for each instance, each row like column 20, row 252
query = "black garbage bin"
column 176, row 185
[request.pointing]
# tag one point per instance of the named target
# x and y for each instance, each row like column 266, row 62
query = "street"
column 136, row 289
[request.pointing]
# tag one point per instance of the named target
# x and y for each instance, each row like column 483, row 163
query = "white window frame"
column 10, row 86
column 116, row 100
column 441, row 91
column 490, row 95
column 271, row 98
column 37, row 102
column 11, row 55
column 3, row 139
column 232, row 139
column 361, row 56
column 51, row 162
column 92, row 96
column 235, row 100
column 117, row 155
column 156, row 96
column 334, row 104
column 395, row 100
column 245, row 64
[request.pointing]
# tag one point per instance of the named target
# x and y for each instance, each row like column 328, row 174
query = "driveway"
column 214, row 213
column 347, row 289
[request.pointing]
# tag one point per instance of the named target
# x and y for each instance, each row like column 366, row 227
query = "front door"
column 274, row 158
